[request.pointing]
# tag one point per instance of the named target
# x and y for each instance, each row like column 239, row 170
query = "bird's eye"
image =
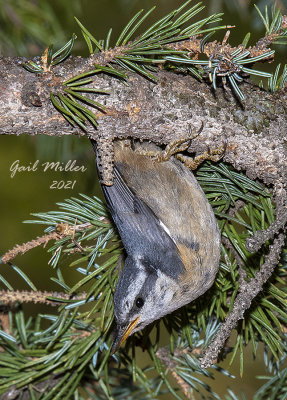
column 139, row 302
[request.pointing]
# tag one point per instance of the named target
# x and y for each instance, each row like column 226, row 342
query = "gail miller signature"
column 69, row 166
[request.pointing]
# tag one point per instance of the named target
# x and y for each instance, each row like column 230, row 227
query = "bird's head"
column 143, row 294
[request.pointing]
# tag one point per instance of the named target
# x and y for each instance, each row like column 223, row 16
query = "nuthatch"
column 170, row 235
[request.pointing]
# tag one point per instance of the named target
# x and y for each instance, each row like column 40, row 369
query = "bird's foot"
column 211, row 155
column 177, row 146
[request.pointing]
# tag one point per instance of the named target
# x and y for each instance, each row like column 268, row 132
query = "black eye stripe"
column 149, row 268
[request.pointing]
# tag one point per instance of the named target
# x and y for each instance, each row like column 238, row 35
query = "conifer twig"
column 247, row 292
column 62, row 230
column 254, row 243
column 24, row 296
column 164, row 355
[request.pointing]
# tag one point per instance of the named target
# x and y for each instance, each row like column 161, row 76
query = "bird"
column 169, row 233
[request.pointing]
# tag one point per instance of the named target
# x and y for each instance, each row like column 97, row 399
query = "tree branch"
column 256, row 133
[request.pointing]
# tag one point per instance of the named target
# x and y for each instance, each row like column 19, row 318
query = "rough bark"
column 256, row 132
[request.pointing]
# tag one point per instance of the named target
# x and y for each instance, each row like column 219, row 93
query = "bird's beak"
column 122, row 333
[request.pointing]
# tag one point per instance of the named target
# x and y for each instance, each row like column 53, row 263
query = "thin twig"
column 62, row 230
column 254, row 243
column 247, row 292
column 163, row 354
column 23, row 248
column 25, row 296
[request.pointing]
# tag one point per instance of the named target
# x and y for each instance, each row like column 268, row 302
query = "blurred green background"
column 26, row 28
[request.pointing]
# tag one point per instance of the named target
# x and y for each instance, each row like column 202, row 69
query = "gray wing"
column 142, row 233
column 135, row 221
